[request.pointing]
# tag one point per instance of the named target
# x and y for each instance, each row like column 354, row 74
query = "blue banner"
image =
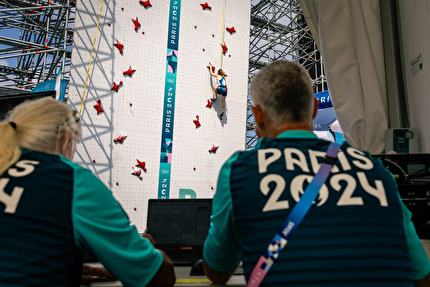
column 326, row 114
column 169, row 100
column 324, row 101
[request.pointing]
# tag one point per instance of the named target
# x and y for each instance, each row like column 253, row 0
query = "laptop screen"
column 179, row 227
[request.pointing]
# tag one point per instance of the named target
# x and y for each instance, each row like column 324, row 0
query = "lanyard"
column 294, row 218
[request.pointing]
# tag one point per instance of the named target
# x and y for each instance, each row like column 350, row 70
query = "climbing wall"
column 142, row 89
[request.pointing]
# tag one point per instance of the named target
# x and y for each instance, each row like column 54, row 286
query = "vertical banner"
column 169, row 100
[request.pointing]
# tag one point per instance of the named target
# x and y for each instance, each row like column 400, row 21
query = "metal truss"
column 36, row 39
column 279, row 31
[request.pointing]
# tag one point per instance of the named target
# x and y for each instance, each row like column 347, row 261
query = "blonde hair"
column 222, row 73
column 36, row 125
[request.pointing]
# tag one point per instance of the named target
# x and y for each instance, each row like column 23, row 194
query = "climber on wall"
column 221, row 88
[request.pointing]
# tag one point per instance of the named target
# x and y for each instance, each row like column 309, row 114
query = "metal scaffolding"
column 279, row 31
column 36, row 39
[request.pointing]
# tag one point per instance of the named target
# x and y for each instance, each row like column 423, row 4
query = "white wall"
column 415, row 31
column 192, row 166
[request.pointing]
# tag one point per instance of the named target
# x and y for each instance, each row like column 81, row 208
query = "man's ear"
column 258, row 116
column 316, row 103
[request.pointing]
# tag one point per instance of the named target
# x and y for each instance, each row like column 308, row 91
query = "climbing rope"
column 91, row 57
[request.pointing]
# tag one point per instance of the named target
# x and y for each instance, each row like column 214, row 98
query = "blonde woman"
column 52, row 210
column 221, row 88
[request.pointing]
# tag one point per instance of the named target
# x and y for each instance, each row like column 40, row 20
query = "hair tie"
column 13, row 125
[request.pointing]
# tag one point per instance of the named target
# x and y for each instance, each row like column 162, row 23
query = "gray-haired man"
column 357, row 233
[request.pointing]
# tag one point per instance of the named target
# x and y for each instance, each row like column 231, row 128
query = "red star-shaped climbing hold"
column 231, row 30
column 141, row 164
column 116, row 87
column 137, row 172
column 209, row 105
column 136, row 24
column 119, row 46
column 120, row 138
column 98, row 107
column 196, row 122
column 213, row 149
column 129, row 72
column 224, row 48
column 206, row 6
column 146, row 4
column 213, row 68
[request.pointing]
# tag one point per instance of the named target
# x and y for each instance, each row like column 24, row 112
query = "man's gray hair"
column 284, row 91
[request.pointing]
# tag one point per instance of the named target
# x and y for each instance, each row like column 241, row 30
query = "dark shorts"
column 222, row 91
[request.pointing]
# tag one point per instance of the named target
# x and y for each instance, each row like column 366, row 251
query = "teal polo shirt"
column 224, row 247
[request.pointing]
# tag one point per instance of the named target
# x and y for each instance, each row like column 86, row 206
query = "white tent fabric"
column 335, row 127
column 349, row 36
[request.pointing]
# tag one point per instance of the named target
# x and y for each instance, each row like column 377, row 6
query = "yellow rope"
column 91, row 58
column 222, row 34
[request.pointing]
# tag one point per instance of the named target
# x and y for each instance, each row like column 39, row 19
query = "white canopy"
column 349, row 36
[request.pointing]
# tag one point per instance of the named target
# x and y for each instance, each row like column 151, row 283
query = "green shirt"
column 224, row 247
column 52, row 210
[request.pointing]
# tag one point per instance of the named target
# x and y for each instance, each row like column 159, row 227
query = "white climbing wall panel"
column 137, row 109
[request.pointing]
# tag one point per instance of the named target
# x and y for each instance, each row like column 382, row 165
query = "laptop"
column 179, row 227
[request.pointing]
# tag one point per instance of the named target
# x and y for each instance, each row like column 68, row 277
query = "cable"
column 91, row 58
column 403, row 173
